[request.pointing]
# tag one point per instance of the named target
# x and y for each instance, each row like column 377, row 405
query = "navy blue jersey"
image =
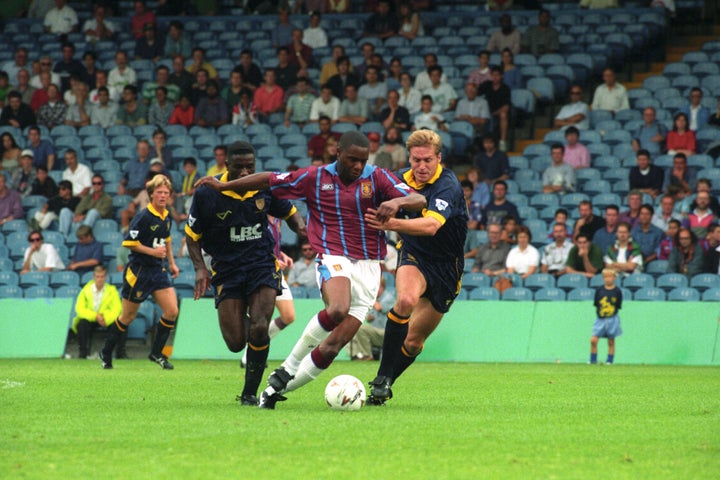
column 446, row 203
column 608, row 302
column 233, row 228
column 149, row 228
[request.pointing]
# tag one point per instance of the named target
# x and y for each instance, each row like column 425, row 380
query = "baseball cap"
column 155, row 161
column 374, row 137
column 27, row 153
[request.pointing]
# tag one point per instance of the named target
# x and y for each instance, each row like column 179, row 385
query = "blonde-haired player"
column 146, row 273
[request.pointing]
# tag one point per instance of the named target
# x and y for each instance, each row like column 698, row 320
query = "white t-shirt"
column 61, row 20
column 46, row 257
column 315, row 37
column 81, row 178
column 521, row 261
column 319, row 108
column 119, row 79
column 92, row 25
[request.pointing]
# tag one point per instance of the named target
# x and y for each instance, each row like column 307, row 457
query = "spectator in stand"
column 711, row 250
column 42, row 150
column 559, row 177
column 381, row 24
column 373, row 91
column 19, row 62
column 132, row 113
column 481, row 190
column 314, row 36
column 680, row 180
column 665, row 213
column 45, row 67
column 268, row 97
column 123, row 74
column 342, row 78
column 555, row 254
column 60, row 20
column 497, row 95
column 651, row 134
column 231, row 93
column 610, row 95
column 185, row 193
column 394, row 115
column 23, row 86
column 491, row 256
column 689, row 204
column 101, row 80
column 78, row 114
column 700, row 218
column 184, row 113
column 162, row 79
column 576, row 154
column 631, row 215
column 95, row 205
column 507, row 37
column 40, row 95
column 410, row 97
column 282, row 32
column 606, row 236
column 300, row 55
column 16, row 113
column 646, row 177
column 474, row 210
column 104, row 112
column 252, row 75
column 326, row 105
column 161, row 109
column 88, row 252
column 585, row 258
column 410, row 23
column 10, row 203
column 44, row 184
column 77, row 174
column 427, row 118
column 302, row 274
column 199, row 63
column 481, row 74
column 493, row 163
column 574, row 114
column 473, row 109
column 136, row 171
column 499, row 207
column 199, row 87
column 422, row 81
column 680, row 139
column 176, row 42
column 697, row 113
column 511, row 74
column 541, row 38
column 316, row 144
column 89, row 60
column 40, row 256
column 299, row 105
column 686, row 257
column 331, row 150
column 212, row 111
column 668, row 242
column 244, row 112
column 54, row 111
column 220, row 167
column 10, row 152
column 68, row 66
column 353, row 109
column 443, row 94
column 161, row 150
column 59, row 207
column 647, row 235
column 98, row 28
column 523, row 258
column 330, row 68
column 393, row 146
column 140, row 18
column 624, row 256
column 285, row 72
column 180, row 77
column 587, row 223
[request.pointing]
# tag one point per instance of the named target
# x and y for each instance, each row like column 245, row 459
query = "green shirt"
column 576, row 263
column 148, row 92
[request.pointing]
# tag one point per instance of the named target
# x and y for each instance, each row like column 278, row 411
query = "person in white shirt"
column 78, row 174
column 624, row 257
column 98, row 28
column 576, row 113
column 429, row 119
column 101, row 80
column 410, row 97
column 523, row 258
column 123, row 74
column 473, row 109
column 443, row 94
column 559, row 177
column 45, row 67
column 61, row 19
column 422, row 81
column 40, row 256
column 610, row 95
column 326, row 105
column 20, row 61
column 314, row 36
column 555, row 254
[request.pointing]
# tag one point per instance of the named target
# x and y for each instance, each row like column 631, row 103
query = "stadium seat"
column 670, row 281
column 313, row 292
column 684, row 294
column 10, row 291
column 649, row 294
column 705, row 281
column 484, row 293
column 9, row 278
column 59, row 279
column 580, row 294
column 34, row 279
column 39, row 291
column 711, row 295
column 549, row 295
column 475, row 279
column 298, row 291
column 517, row 294
column 571, row 281
column 67, row 291
column 637, row 281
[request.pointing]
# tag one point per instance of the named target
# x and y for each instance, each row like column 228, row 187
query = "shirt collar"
column 410, row 178
column 152, row 210
column 236, row 195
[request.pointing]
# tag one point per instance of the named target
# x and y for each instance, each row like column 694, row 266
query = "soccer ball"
column 345, row 392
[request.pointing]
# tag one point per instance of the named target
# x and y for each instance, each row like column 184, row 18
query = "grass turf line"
column 71, row 419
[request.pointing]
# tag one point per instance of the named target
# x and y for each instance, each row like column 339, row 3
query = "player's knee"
column 258, row 331
column 235, row 345
column 414, row 345
column 337, row 312
column 594, row 341
column 170, row 313
column 405, row 303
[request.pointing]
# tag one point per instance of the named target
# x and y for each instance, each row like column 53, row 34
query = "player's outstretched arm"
column 421, row 226
column 297, row 225
column 202, row 276
column 256, row 181
column 389, row 208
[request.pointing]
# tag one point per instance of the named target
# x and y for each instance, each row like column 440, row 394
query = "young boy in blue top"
column 608, row 300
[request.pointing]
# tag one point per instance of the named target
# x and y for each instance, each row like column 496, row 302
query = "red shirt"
column 182, row 117
column 139, row 21
column 316, row 145
column 676, row 141
column 39, row 98
column 268, row 101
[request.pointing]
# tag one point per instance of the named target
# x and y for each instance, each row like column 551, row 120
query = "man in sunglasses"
column 40, row 256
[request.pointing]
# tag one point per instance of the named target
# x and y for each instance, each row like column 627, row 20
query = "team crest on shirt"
column 366, row 189
column 134, row 234
column 154, row 227
column 138, row 294
column 337, row 267
column 223, row 215
column 260, row 203
column 327, row 187
column 440, row 204
column 282, row 176
column 403, row 186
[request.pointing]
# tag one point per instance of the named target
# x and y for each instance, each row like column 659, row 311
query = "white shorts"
column 364, row 276
column 286, row 293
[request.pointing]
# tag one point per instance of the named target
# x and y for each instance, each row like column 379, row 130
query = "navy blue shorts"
column 139, row 281
column 242, row 280
column 443, row 279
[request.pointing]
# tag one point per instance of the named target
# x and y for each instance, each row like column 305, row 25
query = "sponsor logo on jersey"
column 282, row 176
column 366, row 189
column 134, row 233
column 440, row 204
column 327, row 187
column 223, row 216
column 191, row 220
column 246, row 233
column 403, row 186
column 154, row 227
column 337, row 267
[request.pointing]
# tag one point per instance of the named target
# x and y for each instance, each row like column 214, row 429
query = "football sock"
column 310, row 367
column 593, row 358
column 275, row 327
column 113, row 335
column 315, row 332
column 403, row 361
column 396, row 330
column 163, row 332
column 610, row 358
column 256, row 358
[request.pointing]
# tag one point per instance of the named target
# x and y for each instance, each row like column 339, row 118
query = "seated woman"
column 523, row 258
column 681, row 139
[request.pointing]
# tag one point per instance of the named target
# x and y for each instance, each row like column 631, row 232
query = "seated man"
column 491, row 257
column 302, row 274
column 555, row 254
column 625, row 256
column 91, row 313
column 650, row 135
column 40, row 256
column 646, row 177
column 60, row 207
column 574, row 114
column 559, row 177
column 647, row 235
column 88, row 252
column 584, row 258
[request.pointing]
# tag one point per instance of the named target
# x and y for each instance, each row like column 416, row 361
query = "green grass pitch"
column 69, row 419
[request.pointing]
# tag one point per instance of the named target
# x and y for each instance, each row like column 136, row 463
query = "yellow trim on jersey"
column 435, row 215
column 189, row 232
column 292, row 212
column 152, row 210
column 236, row 195
column 168, row 239
column 130, row 243
column 130, row 277
column 410, row 178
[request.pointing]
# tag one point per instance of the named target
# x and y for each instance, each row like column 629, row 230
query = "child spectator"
column 608, row 300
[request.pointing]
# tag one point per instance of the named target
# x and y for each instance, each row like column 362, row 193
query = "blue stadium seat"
column 684, row 294
column 298, row 291
column 580, row 294
column 572, row 280
column 649, row 294
column 549, row 295
column 517, row 294
column 711, row 295
column 484, row 293
column 10, row 291
column 705, row 281
column 39, row 291
column 59, row 279
column 314, row 293
column 9, row 277
column 637, row 281
column 670, row 281
column 67, row 291
column 539, row 280
column 656, row 268
column 34, row 279
column 475, row 279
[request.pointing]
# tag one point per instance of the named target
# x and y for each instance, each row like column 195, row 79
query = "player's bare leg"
column 593, row 349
